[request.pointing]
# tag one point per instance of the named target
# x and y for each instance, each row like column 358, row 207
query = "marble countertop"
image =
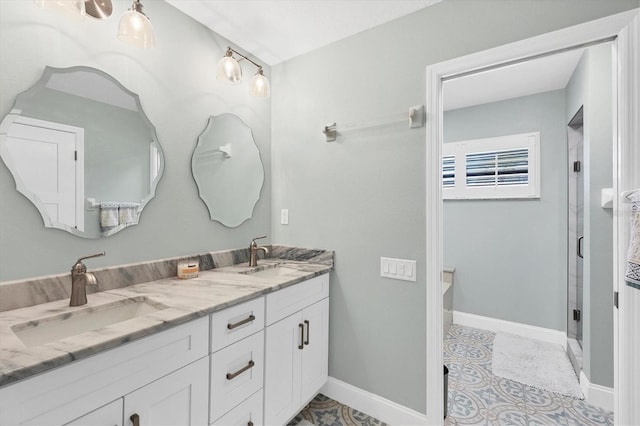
column 184, row 300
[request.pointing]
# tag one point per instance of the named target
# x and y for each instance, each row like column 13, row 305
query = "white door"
column 282, row 370
column 180, row 398
column 108, row 415
column 45, row 159
column 315, row 355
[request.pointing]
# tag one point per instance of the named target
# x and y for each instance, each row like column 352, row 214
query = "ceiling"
column 278, row 30
column 513, row 81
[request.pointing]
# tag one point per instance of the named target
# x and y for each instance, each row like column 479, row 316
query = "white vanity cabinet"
column 296, row 352
column 108, row 415
column 237, row 364
column 179, row 398
column 252, row 364
column 165, row 371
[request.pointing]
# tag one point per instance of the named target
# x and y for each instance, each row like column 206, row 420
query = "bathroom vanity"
column 238, row 345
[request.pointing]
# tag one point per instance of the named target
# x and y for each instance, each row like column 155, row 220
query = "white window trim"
column 461, row 191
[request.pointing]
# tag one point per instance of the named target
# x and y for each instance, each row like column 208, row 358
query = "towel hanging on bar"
column 632, row 274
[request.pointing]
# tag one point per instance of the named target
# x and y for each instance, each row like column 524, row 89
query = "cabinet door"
column 180, row 398
column 282, row 370
column 108, row 415
column 315, row 355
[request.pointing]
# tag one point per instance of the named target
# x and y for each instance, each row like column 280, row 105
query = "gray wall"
column 511, row 255
column 364, row 195
column 178, row 89
column 590, row 86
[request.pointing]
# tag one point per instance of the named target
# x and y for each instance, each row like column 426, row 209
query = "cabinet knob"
column 135, row 419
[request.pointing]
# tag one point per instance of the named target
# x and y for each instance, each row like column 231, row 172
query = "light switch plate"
column 284, row 217
column 398, row 269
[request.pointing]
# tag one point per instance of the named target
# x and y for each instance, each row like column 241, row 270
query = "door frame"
column 622, row 27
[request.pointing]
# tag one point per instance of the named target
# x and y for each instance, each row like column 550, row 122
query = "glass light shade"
column 259, row 86
column 72, row 8
column 229, row 70
column 136, row 29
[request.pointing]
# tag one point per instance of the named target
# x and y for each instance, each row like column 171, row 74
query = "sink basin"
column 49, row 329
column 275, row 272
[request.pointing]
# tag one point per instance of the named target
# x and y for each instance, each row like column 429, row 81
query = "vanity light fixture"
column 229, row 70
column 72, row 8
column 135, row 27
column 98, row 9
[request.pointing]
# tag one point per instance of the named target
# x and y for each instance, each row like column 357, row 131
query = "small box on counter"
column 188, row 269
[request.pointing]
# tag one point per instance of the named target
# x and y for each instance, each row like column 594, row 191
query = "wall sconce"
column 98, row 9
column 135, row 27
column 229, row 70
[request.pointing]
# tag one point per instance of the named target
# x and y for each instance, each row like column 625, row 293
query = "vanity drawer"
column 248, row 412
column 282, row 303
column 235, row 323
column 237, row 372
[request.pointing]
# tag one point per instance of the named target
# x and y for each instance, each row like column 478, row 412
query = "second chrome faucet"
column 253, row 251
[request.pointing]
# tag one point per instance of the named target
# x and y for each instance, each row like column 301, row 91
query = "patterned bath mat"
column 538, row 364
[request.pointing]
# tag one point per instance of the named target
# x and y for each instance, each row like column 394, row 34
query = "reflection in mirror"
column 81, row 149
column 227, row 169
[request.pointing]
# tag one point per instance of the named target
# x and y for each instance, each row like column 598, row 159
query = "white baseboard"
column 600, row 396
column 373, row 405
column 502, row 326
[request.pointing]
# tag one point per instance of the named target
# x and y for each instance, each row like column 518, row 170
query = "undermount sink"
column 275, row 272
column 66, row 324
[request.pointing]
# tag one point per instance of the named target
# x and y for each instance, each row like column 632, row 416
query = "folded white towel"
column 128, row 213
column 108, row 214
column 632, row 274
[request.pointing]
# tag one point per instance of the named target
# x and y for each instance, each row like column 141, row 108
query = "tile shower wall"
column 178, row 90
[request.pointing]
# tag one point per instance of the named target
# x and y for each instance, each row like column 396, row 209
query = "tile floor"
column 477, row 397
column 324, row 411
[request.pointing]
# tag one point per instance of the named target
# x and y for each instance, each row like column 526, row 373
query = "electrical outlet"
column 284, row 217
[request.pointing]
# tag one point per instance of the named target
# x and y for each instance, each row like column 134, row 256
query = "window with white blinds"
column 500, row 167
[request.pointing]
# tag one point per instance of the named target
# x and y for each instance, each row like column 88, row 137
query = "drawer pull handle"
column 239, row 323
column 135, row 419
column 231, row 376
column 306, row 342
column 301, row 345
column 250, row 423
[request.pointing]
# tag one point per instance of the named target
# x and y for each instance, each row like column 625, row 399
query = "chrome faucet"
column 80, row 278
column 253, row 251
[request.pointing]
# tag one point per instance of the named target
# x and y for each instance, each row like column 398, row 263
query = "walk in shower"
column 575, row 137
